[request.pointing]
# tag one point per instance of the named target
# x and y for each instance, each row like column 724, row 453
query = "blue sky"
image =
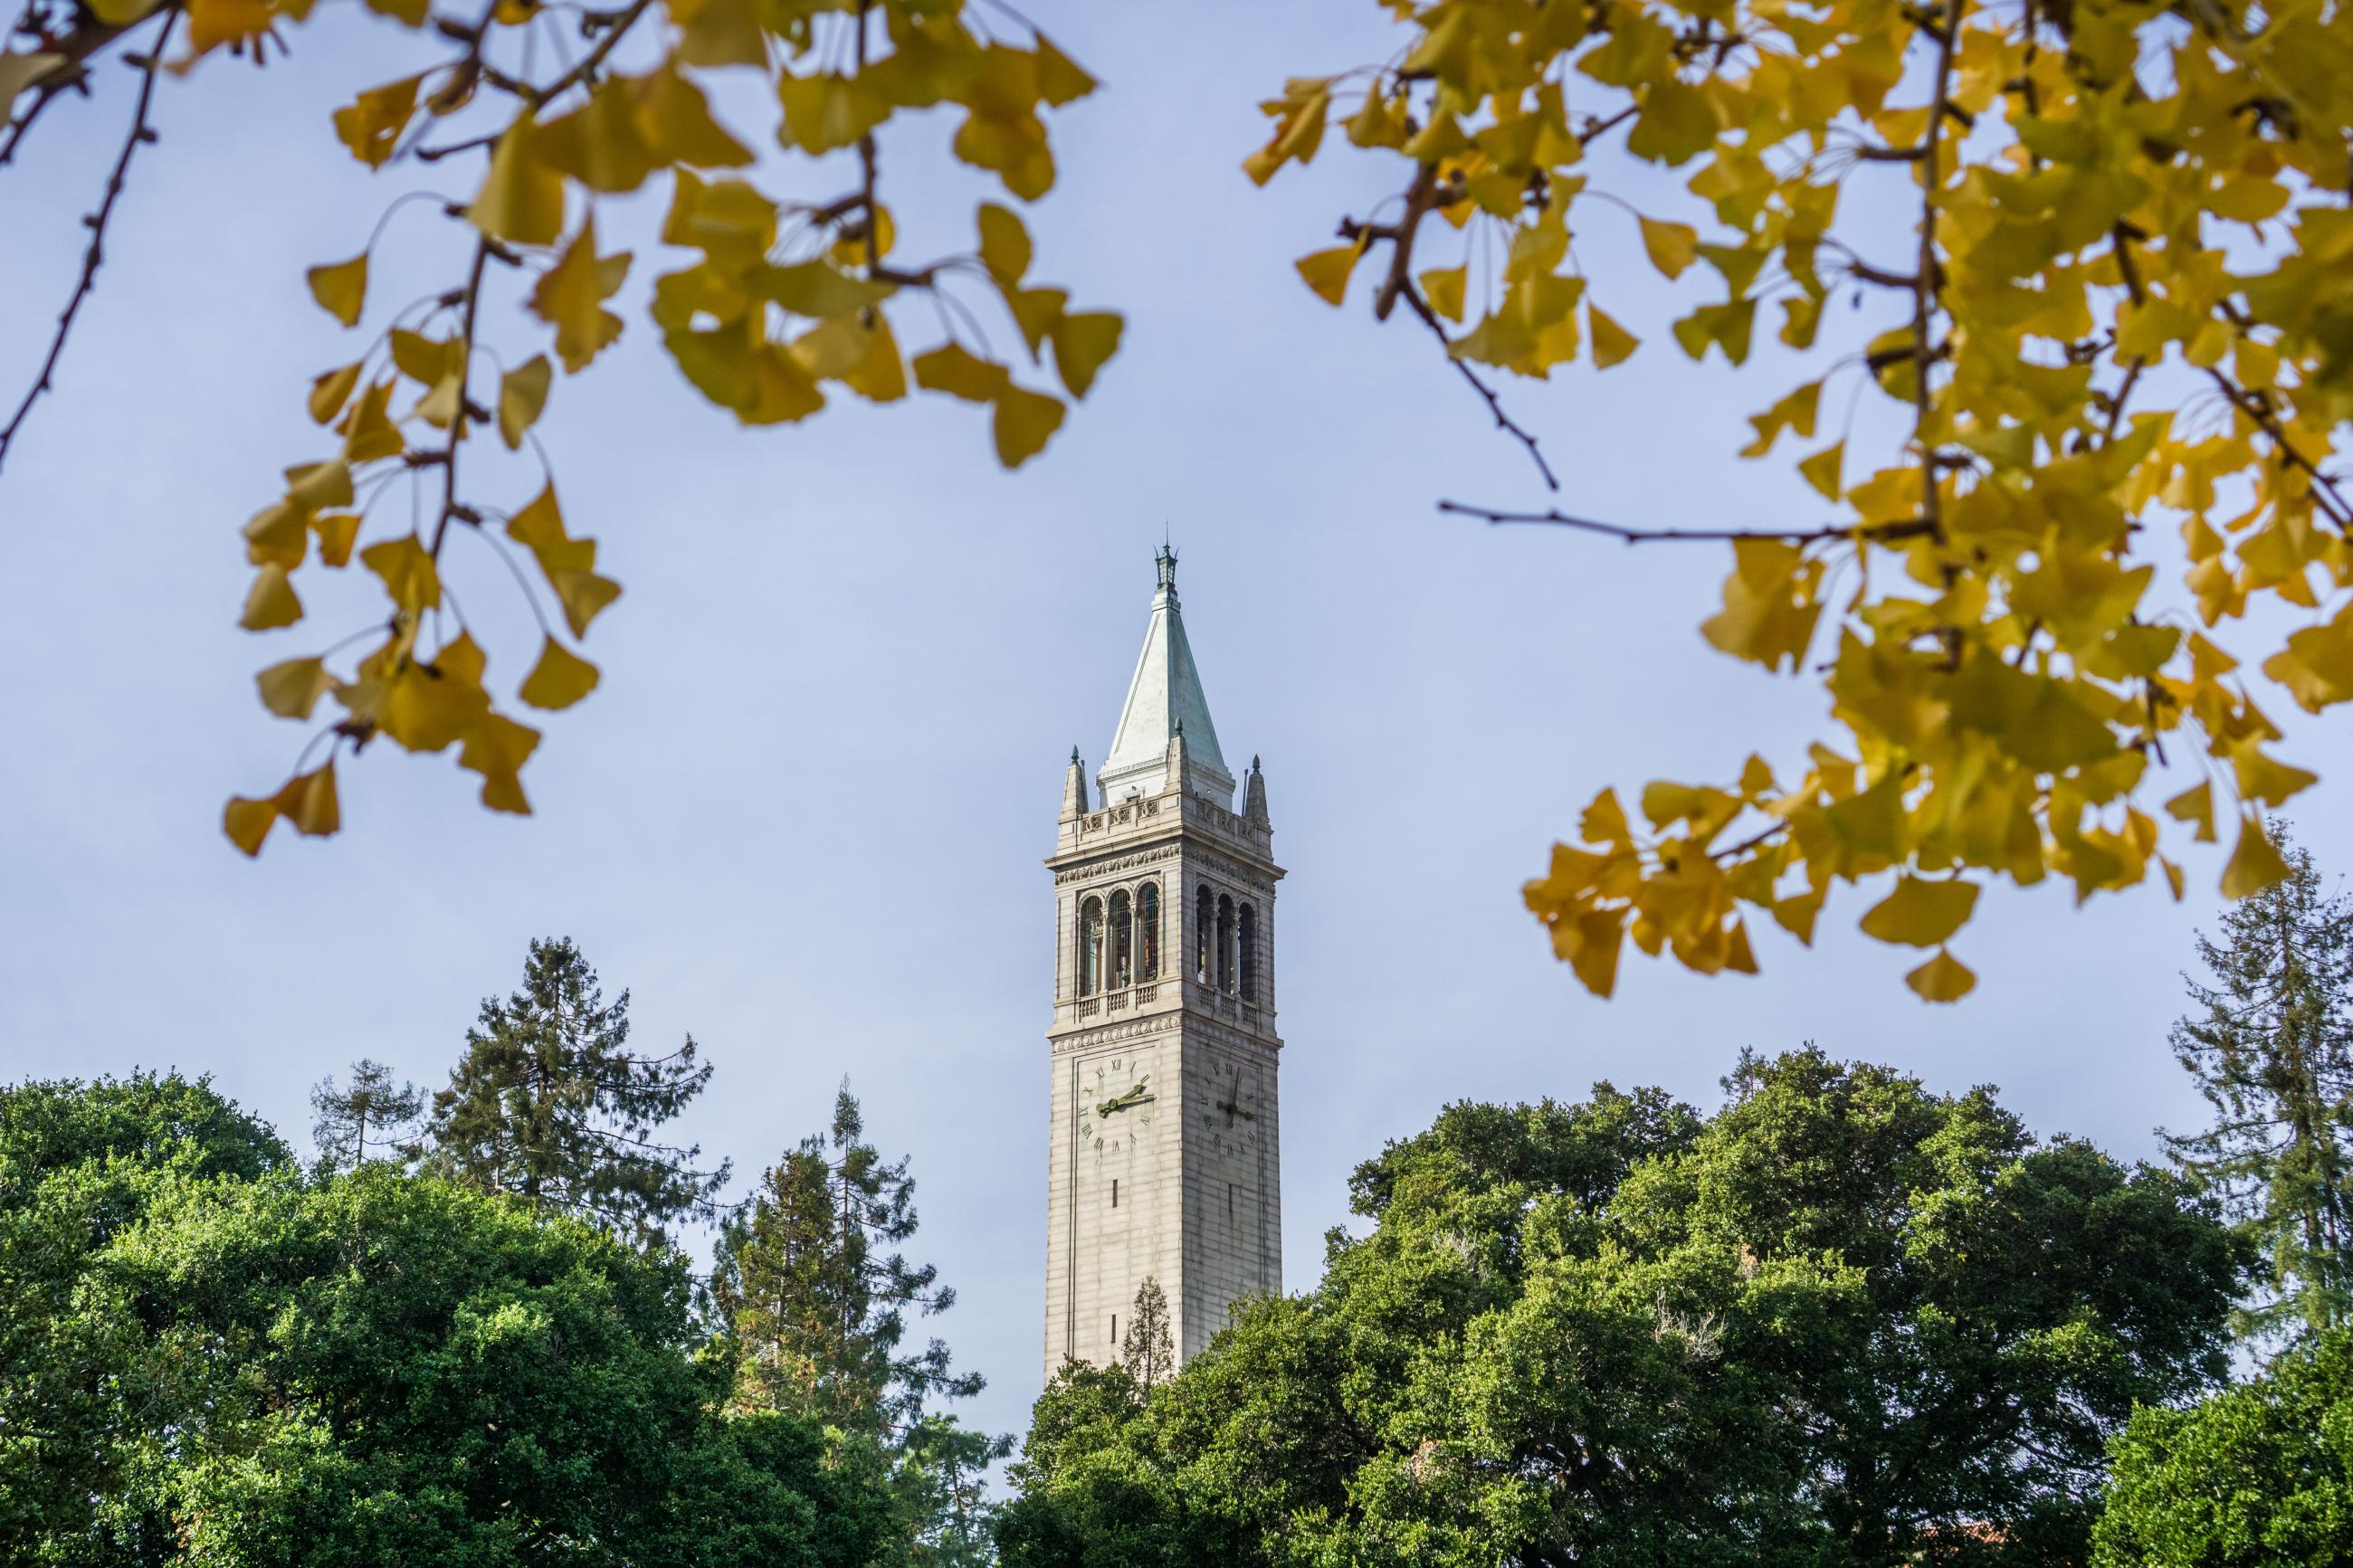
column 803, row 819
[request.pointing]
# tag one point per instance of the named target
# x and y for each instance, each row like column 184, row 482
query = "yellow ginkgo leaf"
column 308, row 801
column 248, row 822
column 521, row 198
column 2255, row 865
column 1611, row 342
column 1060, row 79
column 522, row 392
column 292, row 689
column 1024, row 421
column 1943, row 978
column 1920, row 912
column 950, row 369
column 570, row 297
column 270, row 603
column 1005, row 247
column 1673, row 245
column 371, row 123
column 1082, row 341
column 408, row 570
column 560, row 678
column 331, row 391
column 1443, row 287
column 1823, row 469
column 18, row 72
column 340, row 288
column 2195, row 804
column 1327, row 271
column 582, row 594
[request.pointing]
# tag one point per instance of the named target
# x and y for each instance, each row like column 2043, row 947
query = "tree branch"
column 96, row 222
column 1869, row 533
column 1412, row 297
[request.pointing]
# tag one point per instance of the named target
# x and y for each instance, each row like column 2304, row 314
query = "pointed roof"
column 1165, row 695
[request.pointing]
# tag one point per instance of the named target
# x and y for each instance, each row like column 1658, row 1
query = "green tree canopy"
column 549, row 1103
column 1845, row 1321
column 80, row 1164
column 2259, row 1475
column 254, row 1369
column 2271, row 1047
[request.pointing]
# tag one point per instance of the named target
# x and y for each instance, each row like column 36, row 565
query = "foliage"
column 2274, row 1055
column 942, row 1482
column 370, row 1109
column 549, row 1103
column 1845, row 1321
column 2259, row 1474
column 81, row 1164
column 211, row 1359
column 816, row 1296
column 775, row 299
column 1148, row 1350
column 2111, row 197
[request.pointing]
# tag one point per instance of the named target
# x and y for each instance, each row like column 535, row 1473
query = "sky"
column 803, row 818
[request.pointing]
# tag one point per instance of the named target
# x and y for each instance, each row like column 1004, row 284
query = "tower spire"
column 1166, row 690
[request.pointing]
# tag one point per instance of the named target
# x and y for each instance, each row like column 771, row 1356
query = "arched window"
column 1122, row 941
column 1147, row 923
column 1248, row 933
column 1204, row 923
column 1090, row 947
column 1225, row 944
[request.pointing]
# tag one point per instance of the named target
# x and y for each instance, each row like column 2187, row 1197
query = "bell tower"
column 1163, row 1161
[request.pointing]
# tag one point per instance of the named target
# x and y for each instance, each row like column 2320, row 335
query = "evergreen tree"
column 1147, row 1350
column 370, row 1111
column 548, row 1104
column 815, row 1293
column 2272, row 1053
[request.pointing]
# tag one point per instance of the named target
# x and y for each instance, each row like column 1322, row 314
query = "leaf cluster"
column 2109, row 198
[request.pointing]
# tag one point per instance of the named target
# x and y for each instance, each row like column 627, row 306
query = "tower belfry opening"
column 1164, row 1046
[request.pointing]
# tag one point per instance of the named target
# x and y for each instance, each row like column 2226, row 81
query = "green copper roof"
column 1165, row 694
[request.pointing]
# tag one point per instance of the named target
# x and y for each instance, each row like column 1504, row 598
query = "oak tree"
column 1845, row 1321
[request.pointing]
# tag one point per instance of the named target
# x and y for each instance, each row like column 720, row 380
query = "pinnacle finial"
column 1074, row 756
column 1180, row 723
column 1166, row 561
column 1254, row 762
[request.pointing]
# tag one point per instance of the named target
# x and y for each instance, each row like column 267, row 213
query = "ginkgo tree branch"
column 1504, row 422
column 1867, row 532
column 94, row 256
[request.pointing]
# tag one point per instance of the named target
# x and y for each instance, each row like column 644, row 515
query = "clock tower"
column 1163, row 1162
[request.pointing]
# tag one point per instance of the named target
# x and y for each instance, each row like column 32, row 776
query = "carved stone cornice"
column 1117, row 865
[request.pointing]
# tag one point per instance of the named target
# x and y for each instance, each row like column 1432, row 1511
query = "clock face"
column 1118, row 1097
column 1237, row 1112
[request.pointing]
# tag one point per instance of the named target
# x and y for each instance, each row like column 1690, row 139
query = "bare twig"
column 70, row 74
column 96, row 222
column 1504, row 422
column 1868, row 532
column 473, row 298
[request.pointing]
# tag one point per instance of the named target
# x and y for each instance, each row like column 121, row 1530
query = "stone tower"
column 1163, row 1157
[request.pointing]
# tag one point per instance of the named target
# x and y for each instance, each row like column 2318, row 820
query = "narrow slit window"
column 1114, row 1328
column 1114, row 1192
column 1229, row 1200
